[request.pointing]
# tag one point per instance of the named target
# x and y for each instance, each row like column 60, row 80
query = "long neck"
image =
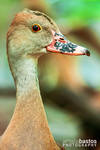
column 28, row 128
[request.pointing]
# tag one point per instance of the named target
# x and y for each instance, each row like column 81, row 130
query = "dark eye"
column 36, row 27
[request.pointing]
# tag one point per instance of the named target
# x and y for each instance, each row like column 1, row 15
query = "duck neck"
column 28, row 128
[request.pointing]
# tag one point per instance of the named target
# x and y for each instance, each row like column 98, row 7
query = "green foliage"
column 76, row 11
column 7, row 8
column 8, row 1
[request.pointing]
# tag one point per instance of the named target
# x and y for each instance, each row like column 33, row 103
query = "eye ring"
column 36, row 27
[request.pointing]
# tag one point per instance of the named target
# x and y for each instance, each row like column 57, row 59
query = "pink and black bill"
column 61, row 45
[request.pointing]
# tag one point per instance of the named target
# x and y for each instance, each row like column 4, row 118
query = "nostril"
column 61, row 38
column 87, row 53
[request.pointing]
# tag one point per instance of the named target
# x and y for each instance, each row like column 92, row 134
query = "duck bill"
column 61, row 45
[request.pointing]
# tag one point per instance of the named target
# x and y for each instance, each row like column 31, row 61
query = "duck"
column 30, row 35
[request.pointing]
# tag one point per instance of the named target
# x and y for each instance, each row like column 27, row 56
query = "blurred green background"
column 70, row 86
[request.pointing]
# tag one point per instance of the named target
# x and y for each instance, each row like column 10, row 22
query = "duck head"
column 33, row 33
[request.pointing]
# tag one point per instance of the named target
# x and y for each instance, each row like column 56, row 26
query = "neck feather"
column 28, row 128
column 26, row 77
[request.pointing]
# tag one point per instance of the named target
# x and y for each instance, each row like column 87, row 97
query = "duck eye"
column 36, row 27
